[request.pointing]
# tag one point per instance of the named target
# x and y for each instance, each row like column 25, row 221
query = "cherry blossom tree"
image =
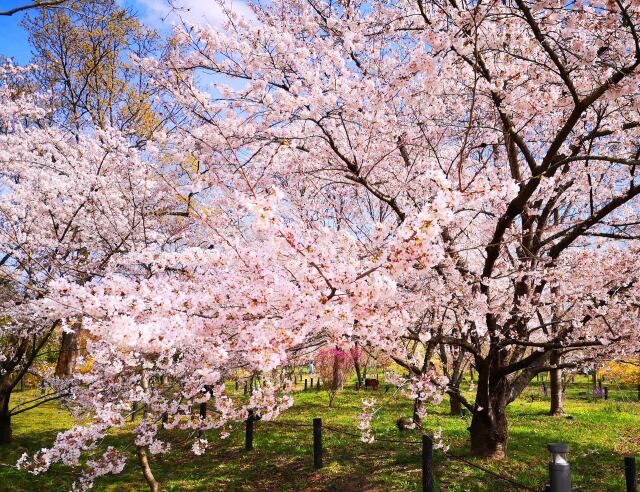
column 520, row 118
column 407, row 176
column 69, row 203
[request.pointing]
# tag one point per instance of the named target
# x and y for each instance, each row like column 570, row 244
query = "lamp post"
column 559, row 469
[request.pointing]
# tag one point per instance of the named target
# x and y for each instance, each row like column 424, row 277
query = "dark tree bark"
column 6, row 434
column 454, row 365
column 489, row 433
column 455, row 407
column 68, row 355
column 489, row 426
column 557, row 393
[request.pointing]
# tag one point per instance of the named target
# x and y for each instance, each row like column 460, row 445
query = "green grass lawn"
column 599, row 436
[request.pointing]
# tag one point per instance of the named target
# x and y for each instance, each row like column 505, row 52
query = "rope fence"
column 427, row 453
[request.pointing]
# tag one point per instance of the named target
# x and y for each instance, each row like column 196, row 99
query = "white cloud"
column 163, row 14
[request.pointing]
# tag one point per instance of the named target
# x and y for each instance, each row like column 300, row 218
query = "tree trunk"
column 144, row 383
column 417, row 412
column 489, row 429
column 555, row 377
column 455, row 407
column 146, row 469
column 6, row 434
column 356, row 365
column 489, row 433
column 68, row 355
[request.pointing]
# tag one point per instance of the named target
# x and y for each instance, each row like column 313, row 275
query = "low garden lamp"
column 559, row 469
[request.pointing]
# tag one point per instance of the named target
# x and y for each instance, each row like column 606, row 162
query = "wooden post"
column 248, row 442
column 606, row 392
column 427, row 462
column 318, row 384
column 317, row 443
column 305, row 385
column 236, row 385
column 311, row 383
column 630, row 474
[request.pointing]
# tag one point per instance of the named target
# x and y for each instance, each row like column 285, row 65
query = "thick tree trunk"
column 6, row 434
column 68, row 355
column 489, row 428
column 489, row 433
column 455, row 407
column 555, row 377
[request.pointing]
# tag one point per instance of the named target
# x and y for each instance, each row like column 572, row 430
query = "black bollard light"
column 559, row 469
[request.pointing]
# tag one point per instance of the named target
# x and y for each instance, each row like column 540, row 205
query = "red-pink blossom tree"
column 334, row 366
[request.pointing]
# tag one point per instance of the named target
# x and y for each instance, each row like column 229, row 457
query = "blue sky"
column 13, row 39
column 155, row 13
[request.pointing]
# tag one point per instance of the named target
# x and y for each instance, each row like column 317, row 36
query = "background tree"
column 72, row 201
column 85, row 57
column 334, row 367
